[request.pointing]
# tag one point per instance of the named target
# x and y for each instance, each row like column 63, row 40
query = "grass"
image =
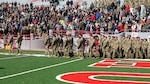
column 47, row 76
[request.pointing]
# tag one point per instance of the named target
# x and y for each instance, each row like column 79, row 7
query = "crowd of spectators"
column 26, row 18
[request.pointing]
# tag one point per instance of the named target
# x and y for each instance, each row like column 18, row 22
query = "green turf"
column 123, row 78
column 47, row 76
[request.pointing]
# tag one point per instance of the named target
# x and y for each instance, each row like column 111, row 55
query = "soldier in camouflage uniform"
column 104, row 46
column 121, row 43
column 108, row 48
column 127, row 47
column 60, row 46
column 133, row 47
column 65, row 45
column 70, row 43
column 115, row 44
column 54, row 45
column 47, row 45
column 80, row 46
column 10, row 43
column 138, row 48
column 144, row 48
column 101, row 40
column 19, row 42
column 91, row 46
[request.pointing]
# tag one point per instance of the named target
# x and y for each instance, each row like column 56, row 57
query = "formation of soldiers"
column 18, row 42
column 107, row 47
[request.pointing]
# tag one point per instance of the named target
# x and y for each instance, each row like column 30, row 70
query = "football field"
column 45, row 70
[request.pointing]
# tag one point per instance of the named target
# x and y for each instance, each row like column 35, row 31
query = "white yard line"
column 12, row 57
column 38, row 69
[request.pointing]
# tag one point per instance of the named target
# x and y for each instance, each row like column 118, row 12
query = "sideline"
column 13, row 57
column 38, row 69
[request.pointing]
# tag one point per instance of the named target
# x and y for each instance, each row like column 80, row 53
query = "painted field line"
column 38, row 69
column 12, row 57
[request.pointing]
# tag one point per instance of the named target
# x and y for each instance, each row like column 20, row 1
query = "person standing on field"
column 80, row 46
column 19, row 43
column 10, row 43
column 47, row 45
column 91, row 46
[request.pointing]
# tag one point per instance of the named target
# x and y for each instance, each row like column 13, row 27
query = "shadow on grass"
column 2, row 68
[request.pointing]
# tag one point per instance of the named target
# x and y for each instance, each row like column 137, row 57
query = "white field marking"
column 134, row 64
column 12, row 57
column 38, row 69
column 137, row 59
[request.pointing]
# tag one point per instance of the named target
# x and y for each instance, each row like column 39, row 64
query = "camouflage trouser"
column 133, row 52
column 11, row 48
column 127, row 53
column 19, row 49
column 91, row 52
column 144, row 52
column 108, row 52
column 138, row 53
column 54, row 51
column 104, row 52
column 120, row 55
column 114, row 52
column 148, row 54
column 47, row 52
column 80, row 52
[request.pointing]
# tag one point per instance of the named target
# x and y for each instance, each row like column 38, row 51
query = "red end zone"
column 119, row 63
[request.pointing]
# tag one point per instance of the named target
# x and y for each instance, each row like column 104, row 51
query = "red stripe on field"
column 102, row 65
column 143, row 64
column 111, row 61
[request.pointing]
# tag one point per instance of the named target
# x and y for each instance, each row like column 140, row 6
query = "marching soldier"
column 101, row 40
column 60, row 46
column 121, row 43
column 70, row 45
column 144, row 48
column 47, row 45
column 133, row 46
column 80, row 46
column 104, row 47
column 115, row 45
column 65, row 45
column 127, row 47
column 138, row 48
column 91, row 46
column 108, row 48
column 54, row 45
column 10, row 43
column 19, row 42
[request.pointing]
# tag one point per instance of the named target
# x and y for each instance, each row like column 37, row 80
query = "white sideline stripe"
column 38, row 69
column 12, row 57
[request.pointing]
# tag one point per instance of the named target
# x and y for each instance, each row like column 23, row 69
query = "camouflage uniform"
column 47, row 45
column 115, row 45
column 19, row 42
column 133, row 47
column 127, row 47
column 108, row 48
column 60, row 46
column 101, row 40
column 138, row 48
column 144, row 48
column 80, row 46
column 54, row 45
column 104, row 47
column 121, row 43
column 91, row 46
column 10, row 43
